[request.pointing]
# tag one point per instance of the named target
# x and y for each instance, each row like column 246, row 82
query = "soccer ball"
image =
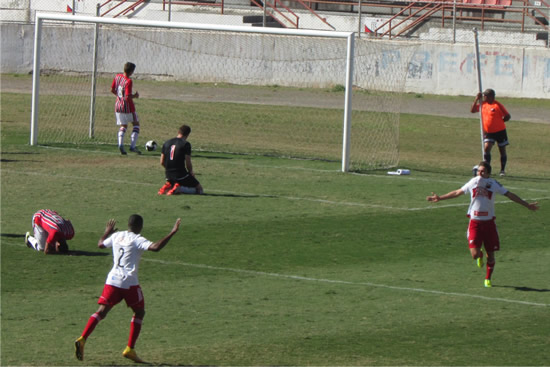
column 151, row 145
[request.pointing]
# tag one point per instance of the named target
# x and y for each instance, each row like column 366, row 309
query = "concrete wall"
column 444, row 69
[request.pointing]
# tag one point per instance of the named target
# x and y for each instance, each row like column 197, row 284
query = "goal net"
column 241, row 89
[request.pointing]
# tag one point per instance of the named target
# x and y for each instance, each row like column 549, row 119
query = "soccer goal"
column 248, row 90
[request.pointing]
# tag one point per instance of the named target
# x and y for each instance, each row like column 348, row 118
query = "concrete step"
column 268, row 24
column 257, row 19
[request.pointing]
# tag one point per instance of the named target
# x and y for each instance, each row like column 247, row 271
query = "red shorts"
column 112, row 295
column 483, row 232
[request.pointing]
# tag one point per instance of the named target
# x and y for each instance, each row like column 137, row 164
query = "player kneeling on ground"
column 176, row 160
column 51, row 232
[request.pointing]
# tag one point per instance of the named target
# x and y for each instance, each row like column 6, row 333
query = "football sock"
column 90, row 326
column 187, row 190
column 503, row 160
column 487, row 157
column 134, row 137
column 490, row 268
column 121, row 133
column 135, row 328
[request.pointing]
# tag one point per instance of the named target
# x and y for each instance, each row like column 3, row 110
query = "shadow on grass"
column 5, row 160
column 180, row 365
column 233, row 195
column 523, row 289
column 87, row 253
column 71, row 252
column 12, row 235
column 210, row 157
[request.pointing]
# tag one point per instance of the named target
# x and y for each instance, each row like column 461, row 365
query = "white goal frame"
column 41, row 17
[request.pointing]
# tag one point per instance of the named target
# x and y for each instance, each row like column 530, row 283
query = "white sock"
column 121, row 133
column 134, row 137
column 187, row 190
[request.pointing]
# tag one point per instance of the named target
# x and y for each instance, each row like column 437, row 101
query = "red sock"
column 135, row 328
column 90, row 326
column 490, row 268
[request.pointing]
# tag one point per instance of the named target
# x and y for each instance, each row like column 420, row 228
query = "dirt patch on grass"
column 321, row 98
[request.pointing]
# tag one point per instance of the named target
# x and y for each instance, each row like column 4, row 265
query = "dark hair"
column 184, row 130
column 129, row 67
column 486, row 165
column 489, row 92
column 63, row 248
column 135, row 221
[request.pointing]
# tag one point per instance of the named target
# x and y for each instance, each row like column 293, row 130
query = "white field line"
column 328, row 281
column 406, row 177
column 293, row 198
column 344, row 282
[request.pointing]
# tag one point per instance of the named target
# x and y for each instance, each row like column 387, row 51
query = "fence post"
column 454, row 21
column 360, row 15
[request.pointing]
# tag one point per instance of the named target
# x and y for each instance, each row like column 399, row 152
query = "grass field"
column 283, row 262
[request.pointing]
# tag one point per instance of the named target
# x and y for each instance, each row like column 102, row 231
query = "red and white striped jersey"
column 123, row 87
column 56, row 226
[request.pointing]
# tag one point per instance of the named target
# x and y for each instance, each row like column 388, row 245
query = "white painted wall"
column 434, row 68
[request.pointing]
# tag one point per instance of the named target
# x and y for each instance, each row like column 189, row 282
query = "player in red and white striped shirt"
column 51, row 232
column 125, row 109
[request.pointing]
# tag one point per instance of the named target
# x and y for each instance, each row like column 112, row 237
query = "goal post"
column 174, row 60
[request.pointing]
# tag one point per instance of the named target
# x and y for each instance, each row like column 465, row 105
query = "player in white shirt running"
column 482, row 230
column 122, row 281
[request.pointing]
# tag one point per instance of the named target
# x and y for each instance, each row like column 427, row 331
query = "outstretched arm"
column 157, row 246
column 531, row 206
column 109, row 230
column 451, row 195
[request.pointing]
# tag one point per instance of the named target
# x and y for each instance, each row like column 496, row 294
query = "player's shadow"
column 210, row 157
column 87, row 253
column 71, row 252
column 234, row 195
column 181, row 365
column 5, row 160
column 522, row 289
column 12, row 235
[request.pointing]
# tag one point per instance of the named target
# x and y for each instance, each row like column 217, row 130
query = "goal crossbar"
column 41, row 17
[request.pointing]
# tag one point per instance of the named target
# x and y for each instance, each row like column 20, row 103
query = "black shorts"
column 499, row 137
column 187, row 180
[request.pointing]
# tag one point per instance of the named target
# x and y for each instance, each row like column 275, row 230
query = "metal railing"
column 286, row 18
column 126, row 10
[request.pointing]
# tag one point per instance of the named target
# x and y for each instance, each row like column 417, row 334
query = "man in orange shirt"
column 493, row 116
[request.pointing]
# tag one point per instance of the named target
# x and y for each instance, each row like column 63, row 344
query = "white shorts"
column 41, row 236
column 126, row 118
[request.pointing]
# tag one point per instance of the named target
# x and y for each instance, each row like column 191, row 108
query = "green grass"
column 285, row 262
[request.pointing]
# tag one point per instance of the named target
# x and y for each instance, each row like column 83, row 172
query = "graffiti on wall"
column 430, row 64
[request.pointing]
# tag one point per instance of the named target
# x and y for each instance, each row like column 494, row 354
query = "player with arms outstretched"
column 122, row 281
column 125, row 110
column 482, row 230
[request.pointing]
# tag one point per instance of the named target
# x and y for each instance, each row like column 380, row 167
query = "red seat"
column 504, row 2
column 491, row 2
